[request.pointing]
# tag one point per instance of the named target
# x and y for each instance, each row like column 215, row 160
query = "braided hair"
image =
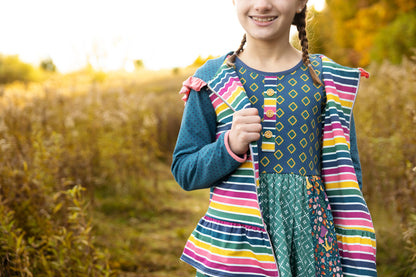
column 300, row 22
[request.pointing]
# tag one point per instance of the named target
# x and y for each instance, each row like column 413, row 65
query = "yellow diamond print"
column 311, row 151
column 254, row 75
column 253, row 99
column 311, row 137
column 315, row 110
column 280, row 77
column 306, row 88
column 280, row 87
column 293, row 93
column 303, row 157
column 280, row 100
column 292, row 82
column 304, row 67
column 315, row 159
column 317, row 145
column 293, row 106
column 278, row 168
column 254, row 87
column 278, row 154
column 302, row 171
column 292, row 134
column 291, row 162
column 317, row 96
column 315, row 63
column 243, row 81
column 279, row 126
column 265, row 161
column 313, row 123
column 317, row 132
column 280, row 113
column 291, row 148
column 279, row 140
column 305, row 114
column 242, row 70
column 303, row 143
column 304, row 77
column 304, row 128
column 311, row 165
column 306, row 101
column 319, row 119
column 292, row 120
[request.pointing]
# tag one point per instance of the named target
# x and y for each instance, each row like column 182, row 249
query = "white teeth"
column 264, row 19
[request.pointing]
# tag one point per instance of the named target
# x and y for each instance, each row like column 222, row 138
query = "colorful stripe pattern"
column 354, row 227
column 269, row 118
column 231, row 240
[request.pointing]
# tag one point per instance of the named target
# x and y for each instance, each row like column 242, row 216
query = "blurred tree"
column 48, row 65
column 13, row 69
column 353, row 32
column 138, row 64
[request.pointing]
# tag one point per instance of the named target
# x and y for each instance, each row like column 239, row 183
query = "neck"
column 270, row 56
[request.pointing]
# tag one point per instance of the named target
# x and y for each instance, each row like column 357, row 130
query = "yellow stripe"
column 220, row 108
column 246, row 165
column 267, row 146
column 333, row 141
column 270, row 102
column 344, row 184
column 231, row 253
column 234, row 94
column 234, row 209
column 355, row 240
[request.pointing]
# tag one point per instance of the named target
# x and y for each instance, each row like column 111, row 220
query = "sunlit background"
column 110, row 34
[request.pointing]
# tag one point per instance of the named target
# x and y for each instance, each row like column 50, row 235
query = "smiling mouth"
column 263, row 19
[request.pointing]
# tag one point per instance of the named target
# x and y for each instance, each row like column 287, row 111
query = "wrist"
column 240, row 158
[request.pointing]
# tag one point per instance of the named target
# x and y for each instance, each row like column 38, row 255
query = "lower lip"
column 262, row 23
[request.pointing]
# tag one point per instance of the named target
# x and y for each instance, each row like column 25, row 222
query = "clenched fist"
column 246, row 127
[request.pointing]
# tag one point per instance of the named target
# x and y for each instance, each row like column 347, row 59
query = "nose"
column 262, row 5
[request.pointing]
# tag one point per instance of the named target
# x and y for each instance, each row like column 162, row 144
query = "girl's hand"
column 246, row 127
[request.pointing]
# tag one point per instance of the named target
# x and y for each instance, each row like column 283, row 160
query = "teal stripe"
column 241, row 245
column 241, row 218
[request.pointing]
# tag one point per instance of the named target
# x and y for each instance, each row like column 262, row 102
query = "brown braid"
column 231, row 59
column 300, row 22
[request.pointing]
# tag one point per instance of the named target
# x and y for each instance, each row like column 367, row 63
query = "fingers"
column 246, row 127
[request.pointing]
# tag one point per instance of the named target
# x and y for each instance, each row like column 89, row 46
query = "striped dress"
column 233, row 239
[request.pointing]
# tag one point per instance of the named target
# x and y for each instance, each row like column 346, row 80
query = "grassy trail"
column 147, row 239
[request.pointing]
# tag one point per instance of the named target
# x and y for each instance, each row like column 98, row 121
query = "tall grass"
column 59, row 150
column 386, row 121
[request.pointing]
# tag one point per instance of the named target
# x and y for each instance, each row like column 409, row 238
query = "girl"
column 269, row 130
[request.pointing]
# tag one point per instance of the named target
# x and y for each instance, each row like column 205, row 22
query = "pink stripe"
column 347, row 96
column 339, row 87
column 334, row 133
column 231, row 260
column 231, row 90
column 222, row 265
column 354, row 222
column 232, row 201
column 356, row 248
column 344, row 169
column 358, row 256
column 339, row 177
column 351, row 214
column 241, row 195
column 232, row 82
column 336, row 125
column 217, row 102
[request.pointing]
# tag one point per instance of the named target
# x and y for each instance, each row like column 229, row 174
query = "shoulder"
column 330, row 66
column 207, row 71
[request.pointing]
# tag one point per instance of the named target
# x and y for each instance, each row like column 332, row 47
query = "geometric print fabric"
column 296, row 118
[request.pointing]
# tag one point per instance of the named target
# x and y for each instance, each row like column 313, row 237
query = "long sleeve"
column 354, row 154
column 199, row 159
